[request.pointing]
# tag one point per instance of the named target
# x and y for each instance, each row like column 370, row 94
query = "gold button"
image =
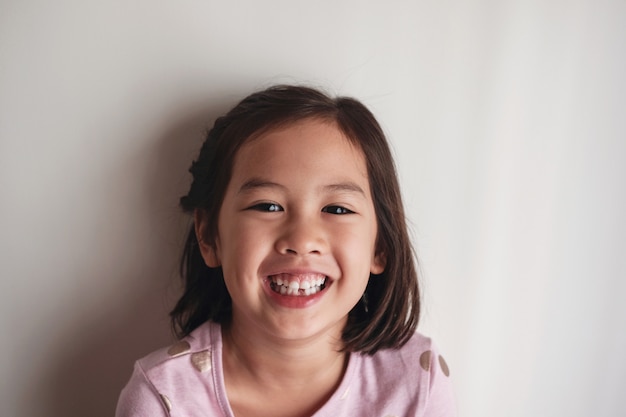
column 179, row 348
column 425, row 360
column 201, row 360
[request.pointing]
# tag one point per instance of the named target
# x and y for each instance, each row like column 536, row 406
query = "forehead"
column 316, row 147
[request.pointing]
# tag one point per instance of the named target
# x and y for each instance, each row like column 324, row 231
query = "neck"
column 268, row 376
column 280, row 363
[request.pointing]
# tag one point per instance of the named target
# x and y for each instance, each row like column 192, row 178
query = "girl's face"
column 296, row 233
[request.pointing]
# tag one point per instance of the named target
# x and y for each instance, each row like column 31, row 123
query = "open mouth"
column 297, row 285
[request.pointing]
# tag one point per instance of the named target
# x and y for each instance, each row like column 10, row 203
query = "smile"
column 297, row 285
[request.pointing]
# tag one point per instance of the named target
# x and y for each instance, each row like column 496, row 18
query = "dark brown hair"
column 389, row 311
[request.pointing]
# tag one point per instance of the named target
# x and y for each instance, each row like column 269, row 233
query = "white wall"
column 507, row 117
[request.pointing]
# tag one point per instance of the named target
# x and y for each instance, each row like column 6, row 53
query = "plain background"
column 507, row 119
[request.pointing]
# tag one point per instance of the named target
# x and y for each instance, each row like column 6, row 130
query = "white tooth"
column 283, row 290
column 305, row 285
column 294, row 285
column 307, row 291
column 279, row 281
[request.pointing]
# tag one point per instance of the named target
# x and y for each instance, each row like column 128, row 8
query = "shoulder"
column 195, row 348
column 419, row 360
column 415, row 378
column 171, row 375
column 421, row 350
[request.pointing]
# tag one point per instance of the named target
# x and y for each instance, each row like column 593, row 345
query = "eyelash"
column 273, row 208
column 339, row 210
column 268, row 207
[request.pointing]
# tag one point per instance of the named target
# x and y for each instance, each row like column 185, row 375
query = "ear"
column 379, row 261
column 207, row 249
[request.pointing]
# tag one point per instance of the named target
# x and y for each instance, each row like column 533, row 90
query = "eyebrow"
column 347, row 186
column 257, row 183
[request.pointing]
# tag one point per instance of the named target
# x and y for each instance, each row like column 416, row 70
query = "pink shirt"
column 187, row 380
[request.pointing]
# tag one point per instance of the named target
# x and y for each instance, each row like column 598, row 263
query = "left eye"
column 336, row 210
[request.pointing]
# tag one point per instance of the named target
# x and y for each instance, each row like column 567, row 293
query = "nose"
column 301, row 236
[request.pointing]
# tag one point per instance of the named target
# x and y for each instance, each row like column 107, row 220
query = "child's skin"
column 298, row 206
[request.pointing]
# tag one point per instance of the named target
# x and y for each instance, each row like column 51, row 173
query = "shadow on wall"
column 90, row 370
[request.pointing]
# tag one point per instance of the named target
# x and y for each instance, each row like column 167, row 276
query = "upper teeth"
column 292, row 286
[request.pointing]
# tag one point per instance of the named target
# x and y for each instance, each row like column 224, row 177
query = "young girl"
column 301, row 295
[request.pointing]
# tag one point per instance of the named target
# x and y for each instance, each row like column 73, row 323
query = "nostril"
column 300, row 242
column 295, row 252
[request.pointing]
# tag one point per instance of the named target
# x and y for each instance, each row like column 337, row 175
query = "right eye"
column 269, row 207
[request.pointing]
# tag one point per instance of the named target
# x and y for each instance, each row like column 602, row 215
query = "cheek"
column 357, row 247
column 242, row 243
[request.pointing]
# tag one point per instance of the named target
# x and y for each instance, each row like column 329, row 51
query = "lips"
column 298, row 285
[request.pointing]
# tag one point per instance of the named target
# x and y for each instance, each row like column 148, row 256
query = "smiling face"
column 296, row 232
